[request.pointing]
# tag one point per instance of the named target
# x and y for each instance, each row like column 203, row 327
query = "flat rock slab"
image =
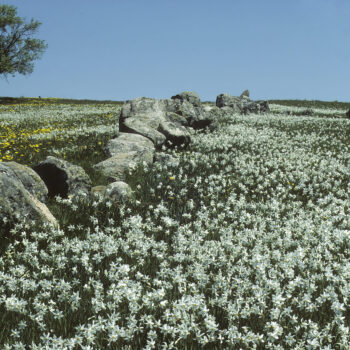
column 63, row 178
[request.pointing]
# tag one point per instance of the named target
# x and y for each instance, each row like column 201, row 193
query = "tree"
column 18, row 49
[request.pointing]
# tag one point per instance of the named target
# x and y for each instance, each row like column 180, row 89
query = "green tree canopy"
column 18, row 49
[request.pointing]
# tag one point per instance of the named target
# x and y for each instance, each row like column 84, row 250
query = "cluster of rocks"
column 145, row 125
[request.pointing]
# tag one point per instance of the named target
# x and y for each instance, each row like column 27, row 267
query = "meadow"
column 244, row 245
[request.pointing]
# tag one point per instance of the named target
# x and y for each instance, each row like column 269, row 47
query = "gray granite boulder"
column 188, row 96
column 116, row 167
column 226, row 100
column 127, row 142
column 166, row 159
column 176, row 134
column 31, row 181
column 255, row 107
column 143, row 116
column 242, row 104
column 19, row 204
column 63, row 178
column 244, row 94
column 126, row 151
column 117, row 191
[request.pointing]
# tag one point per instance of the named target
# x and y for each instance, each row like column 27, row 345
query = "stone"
column 143, row 116
column 145, row 127
column 176, row 134
column 188, row 96
column 116, row 167
column 17, row 204
column 188, row 111
column 226, row 100
column 30, row 180
column 63, row 178
column 166, row 159
column 127, row 142
column 242, row 104
column 119, row 191
column 256, row 107
column 126, row 151
column 348, row 114
column 176, row 118
column 244, row 94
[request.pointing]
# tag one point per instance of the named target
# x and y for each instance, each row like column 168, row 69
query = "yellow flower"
column 172, row 177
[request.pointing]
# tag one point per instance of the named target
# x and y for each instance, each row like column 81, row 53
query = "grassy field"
column 244, row 245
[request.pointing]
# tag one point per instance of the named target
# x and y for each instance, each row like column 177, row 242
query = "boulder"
column 176, row 118
column 31, row 181
column 166, row 159
column 119, row 191
column 215, row 115
column 165, row 121
column 348, row 114
column 193, row 115
column 256, row 107
column 226, row 100
column 116, row 167
column 17, row 203
column 188, row 96
column 244, row 94
column 176, row 134
column 142, row 116
column 145, row 127
column 241, row 104
column 125, row 151
column 126, row 142
column 63, row 178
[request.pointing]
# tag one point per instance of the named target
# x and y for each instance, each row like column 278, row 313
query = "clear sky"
column 123, row 49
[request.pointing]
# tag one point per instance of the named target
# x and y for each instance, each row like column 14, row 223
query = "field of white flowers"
column 244, row 245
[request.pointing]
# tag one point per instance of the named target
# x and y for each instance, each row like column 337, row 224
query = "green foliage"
column 18, row 49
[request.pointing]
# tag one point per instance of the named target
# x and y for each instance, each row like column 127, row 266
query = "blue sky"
column 123, row 49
